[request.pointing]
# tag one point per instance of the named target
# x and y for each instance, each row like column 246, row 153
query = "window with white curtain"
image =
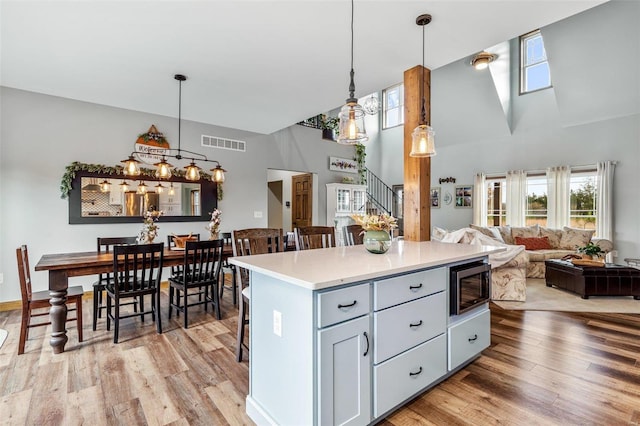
column 583, row 196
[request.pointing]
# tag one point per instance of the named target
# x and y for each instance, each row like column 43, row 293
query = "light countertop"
column 323, row 268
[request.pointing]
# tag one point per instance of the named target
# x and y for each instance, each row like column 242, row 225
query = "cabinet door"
column 359, row 197
column 343, row 200
column 344, row 385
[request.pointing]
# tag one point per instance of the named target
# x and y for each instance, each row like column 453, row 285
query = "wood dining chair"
column 105, row 245
column 39, row 300
column 171, row 243
column 314, row 237
column 228, row 268
column 353, row 235
column 137, row 272
column 247, row 242
column 202, row 261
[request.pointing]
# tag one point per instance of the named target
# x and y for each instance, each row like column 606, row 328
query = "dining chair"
column 40, row 300
column 314, row 237
column 247, row 242
column 105, row 245
column 137, row 272
column 353, row 235
column 202, row 261
column 171, row 243
column 228, row 268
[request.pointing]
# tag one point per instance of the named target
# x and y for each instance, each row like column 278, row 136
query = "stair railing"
column 380, row 194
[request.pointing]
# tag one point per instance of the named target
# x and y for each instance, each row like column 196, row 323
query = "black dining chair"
column 228, row 268
column 202, row 261
column 105, row 245
column 137, row 272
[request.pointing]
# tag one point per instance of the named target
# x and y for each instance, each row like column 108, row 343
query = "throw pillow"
column 533, row 243
column 526, row 231
column 505, row 233
column 573, row 238
column 554, row 236
column 438, row 234
column 486, row 231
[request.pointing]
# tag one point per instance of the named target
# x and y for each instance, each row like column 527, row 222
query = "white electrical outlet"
column 277, row 323
column 257, row 215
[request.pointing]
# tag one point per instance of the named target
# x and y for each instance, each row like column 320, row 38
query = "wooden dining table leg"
column 58, row 285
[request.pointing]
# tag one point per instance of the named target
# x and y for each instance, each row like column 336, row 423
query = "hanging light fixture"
column 159, row 188
column 105, row 186
column 124, row 186
column 172, row 190
column 422, row 143
column 482, row 60
column 351, row 129
column 142, row 188
column 371, row 105
column 163, row 168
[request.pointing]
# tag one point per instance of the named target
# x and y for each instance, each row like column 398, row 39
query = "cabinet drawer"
column 340, row 305
column 403, row 288
column 405, row 375
column 405, row 326
column 468, row 338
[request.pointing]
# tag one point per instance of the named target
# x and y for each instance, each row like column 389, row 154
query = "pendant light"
column 172, row 190
column 218, row 174
column 105, row 186
column 422, row 143
column 163, row 169
column 131, row 167
column 351, row 129
column 142, row 188
column 159, row 188
column 124, row 186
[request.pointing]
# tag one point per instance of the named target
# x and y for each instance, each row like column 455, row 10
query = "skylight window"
column 534, row 67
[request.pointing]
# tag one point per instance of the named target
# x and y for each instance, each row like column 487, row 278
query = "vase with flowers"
column 376, row 228
column 149, row 229
column 214, row 224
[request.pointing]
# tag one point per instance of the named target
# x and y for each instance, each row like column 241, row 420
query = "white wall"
column 40, row 135
column 591, row 114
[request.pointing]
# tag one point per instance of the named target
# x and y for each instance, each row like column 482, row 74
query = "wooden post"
column 417, row 171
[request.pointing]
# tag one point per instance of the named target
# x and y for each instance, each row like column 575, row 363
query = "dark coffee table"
column 609, row 280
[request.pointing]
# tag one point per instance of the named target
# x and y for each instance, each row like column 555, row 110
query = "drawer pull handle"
column 415, row 287
column 340, row 305
column 416, row 325
column 366, row 336
column 474, row 338
column 415, row 374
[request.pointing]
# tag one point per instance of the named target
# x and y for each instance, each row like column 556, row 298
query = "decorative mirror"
column 111, row 198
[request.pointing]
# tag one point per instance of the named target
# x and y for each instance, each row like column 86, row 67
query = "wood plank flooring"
column 543, row 368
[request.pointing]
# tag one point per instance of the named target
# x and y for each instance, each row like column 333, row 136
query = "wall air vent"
column 223, row 143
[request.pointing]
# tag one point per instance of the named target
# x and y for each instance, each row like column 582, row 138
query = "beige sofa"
column 558, row 243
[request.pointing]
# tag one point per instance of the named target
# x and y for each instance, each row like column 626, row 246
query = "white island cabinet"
column 343, row 336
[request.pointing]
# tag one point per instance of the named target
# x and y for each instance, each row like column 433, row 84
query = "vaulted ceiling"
column 258, row 65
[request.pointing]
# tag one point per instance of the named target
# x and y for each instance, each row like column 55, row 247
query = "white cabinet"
column 469, row 337
column 343, row 200
column 344, row 379
column 115, row 193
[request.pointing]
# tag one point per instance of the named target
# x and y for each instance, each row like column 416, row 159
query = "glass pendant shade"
column 142, row 188
column 351, row 130
column 218, row 174
column 172, row 190
column 423, row 142
column 105, row 186
column 131, row 167
column 193, row 172
column 159, row 188
column 124, row 186
column 163, row 169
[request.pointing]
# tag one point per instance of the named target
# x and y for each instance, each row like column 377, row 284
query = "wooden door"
column 302, row 196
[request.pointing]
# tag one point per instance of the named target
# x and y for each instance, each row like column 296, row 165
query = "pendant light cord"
column 180, row 108
column 352, row 85
column 423, row 116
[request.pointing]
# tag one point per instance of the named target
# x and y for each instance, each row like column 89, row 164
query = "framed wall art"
column 464, row 196
column 436, row 199
column 338, row 164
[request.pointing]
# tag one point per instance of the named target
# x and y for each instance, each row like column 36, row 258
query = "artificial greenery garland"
column 75, row 167
column 359, row 158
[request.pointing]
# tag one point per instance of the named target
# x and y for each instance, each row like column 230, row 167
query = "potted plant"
column 329, row 126
column 591, row 251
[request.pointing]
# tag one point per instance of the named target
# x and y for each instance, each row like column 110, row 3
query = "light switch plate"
column 257, row 214
column 277, row 323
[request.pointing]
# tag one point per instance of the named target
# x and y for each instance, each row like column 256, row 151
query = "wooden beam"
column 417, row 171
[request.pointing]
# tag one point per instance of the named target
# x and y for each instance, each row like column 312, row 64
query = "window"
column 496, row 202
column 536, row 211
column 393, row 104
column 582, row 210
column 534, row 67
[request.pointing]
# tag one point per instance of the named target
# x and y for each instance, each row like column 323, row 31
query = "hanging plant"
column 220, row 193
column 359, row 159
column 75, row 167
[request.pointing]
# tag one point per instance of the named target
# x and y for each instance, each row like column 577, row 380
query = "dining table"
column 62, row 266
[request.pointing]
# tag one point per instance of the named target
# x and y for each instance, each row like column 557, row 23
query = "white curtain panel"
column 604, row 204
column 480, row 200
column 558, row 198
column 516, row 197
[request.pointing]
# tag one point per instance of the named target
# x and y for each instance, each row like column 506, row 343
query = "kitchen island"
column 343, row 336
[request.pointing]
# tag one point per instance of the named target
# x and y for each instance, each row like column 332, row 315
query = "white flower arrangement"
column 214, row 225
column 149, row 229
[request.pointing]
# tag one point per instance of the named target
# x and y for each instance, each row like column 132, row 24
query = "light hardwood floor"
column 542, row 368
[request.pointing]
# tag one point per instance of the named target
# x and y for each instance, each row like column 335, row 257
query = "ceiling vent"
column 223, row 143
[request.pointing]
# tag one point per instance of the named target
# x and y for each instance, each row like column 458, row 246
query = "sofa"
column 526, row 249
column 544, row 243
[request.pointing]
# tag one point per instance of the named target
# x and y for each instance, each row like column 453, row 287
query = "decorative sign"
column 343, row 165
column 150, row 146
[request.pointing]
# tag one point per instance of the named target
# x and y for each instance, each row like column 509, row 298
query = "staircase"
column 381, row 198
